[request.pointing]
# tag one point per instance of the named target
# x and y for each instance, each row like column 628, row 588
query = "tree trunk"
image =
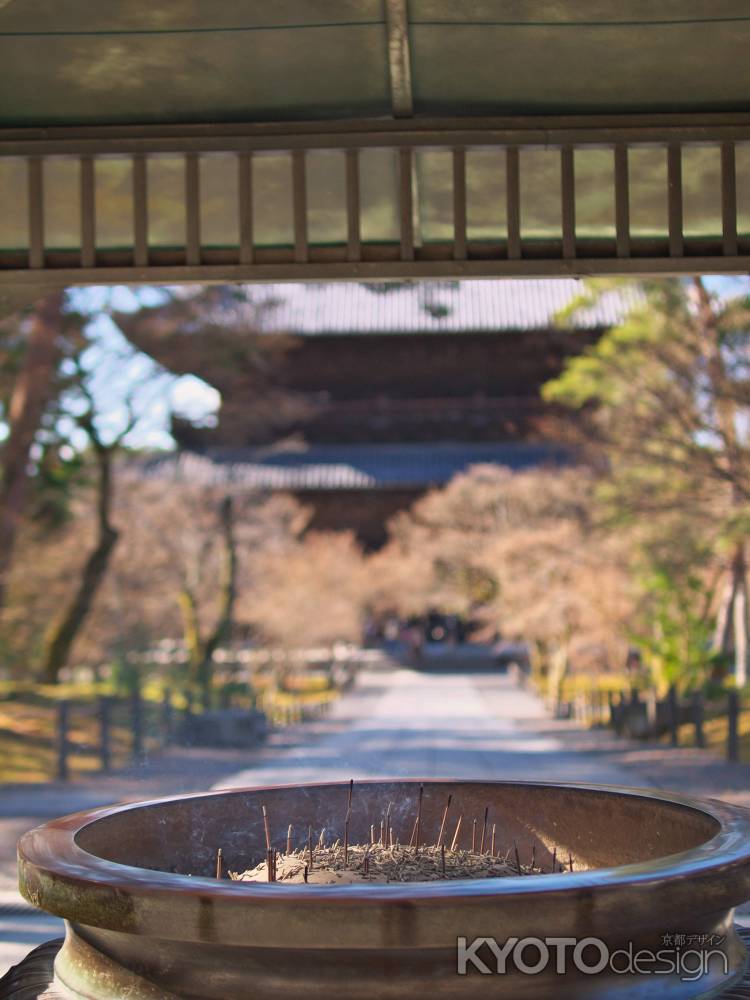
column 735, row 609
column 191, row 629
column 722, row 642
column 64, row 632
column 558, row 668
column 740, row 618
column 31, row 394
column 200, row 651
column 222, row 631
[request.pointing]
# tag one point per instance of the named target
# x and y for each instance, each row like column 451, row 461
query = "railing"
column 258, row 202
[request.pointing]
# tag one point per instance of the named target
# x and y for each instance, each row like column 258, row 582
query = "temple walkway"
column 403, row 723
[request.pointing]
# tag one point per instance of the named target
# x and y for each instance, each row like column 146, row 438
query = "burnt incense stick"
column 442, row 858
column 219, row 864
column 372, row 833
column 474, row 836
column 388, row 828
column 492, row 847
column 390, row 836
column 454, row 842
column 419, row 819
column 305, row 874
column 321, row 838
column 269, row 863
column 443, row 822
column 346, row 839
column 289, row 839
column 484, row 829
column 554, row 859
column 533, row 855
column 346, row 822
column 570, row 861
column 309, row 847
column 518, row 859
column 267, row 828
column 382, row 833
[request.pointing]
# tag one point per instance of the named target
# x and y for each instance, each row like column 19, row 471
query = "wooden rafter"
column 399, row 58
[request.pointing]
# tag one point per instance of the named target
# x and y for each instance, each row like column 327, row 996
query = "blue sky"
column 121, row 373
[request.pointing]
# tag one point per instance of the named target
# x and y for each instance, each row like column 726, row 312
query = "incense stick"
column 346, row 822
column 413, row 834
column 269, row 849
column 289, row 840
column 484, row 829
column 219, row 864
column 458, row 830
column 419, row 818
column 267, row 828
column 474, row 836
column 492, row 848
column 442, row 824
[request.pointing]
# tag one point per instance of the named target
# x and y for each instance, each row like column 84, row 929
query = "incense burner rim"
column 68, row 862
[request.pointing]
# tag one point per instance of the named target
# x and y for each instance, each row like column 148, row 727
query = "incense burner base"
column 33, row 978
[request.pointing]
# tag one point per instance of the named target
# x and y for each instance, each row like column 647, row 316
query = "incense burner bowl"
column 146, row 918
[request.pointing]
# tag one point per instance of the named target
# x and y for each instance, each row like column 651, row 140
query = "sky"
column 121, row 373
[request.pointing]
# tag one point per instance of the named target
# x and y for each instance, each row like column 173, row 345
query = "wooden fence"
column 643, row 715
column 147, row 727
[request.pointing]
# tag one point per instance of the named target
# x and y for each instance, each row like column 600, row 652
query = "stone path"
column 394, row 722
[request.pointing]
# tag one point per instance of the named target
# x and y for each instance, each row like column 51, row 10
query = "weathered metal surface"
column 185, row 61
column 134, row 883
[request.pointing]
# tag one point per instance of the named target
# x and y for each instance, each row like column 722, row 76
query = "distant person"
column 415, row 640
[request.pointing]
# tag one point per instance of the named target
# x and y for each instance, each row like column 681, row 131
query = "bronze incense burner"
column 147, row 917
